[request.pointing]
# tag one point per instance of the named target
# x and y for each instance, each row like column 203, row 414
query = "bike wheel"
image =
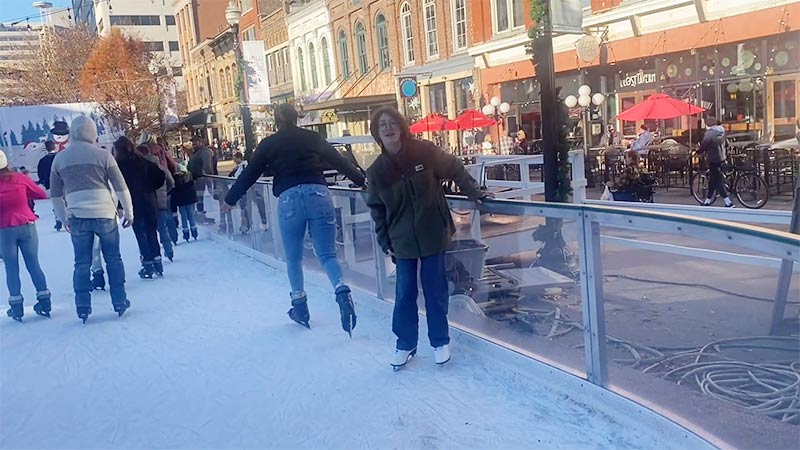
column 752, row 191
column 699, row 187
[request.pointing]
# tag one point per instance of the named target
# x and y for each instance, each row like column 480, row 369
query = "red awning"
column 433, row 122
column 659, row 106
column 471, row 119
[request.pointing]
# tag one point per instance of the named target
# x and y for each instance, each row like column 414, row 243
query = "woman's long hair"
column 124, row 150
column 374, row 126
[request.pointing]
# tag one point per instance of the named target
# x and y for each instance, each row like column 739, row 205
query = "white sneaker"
column 401, row 357
column 441, row 354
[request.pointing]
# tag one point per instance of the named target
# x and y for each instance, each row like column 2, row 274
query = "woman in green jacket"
column 414, row 226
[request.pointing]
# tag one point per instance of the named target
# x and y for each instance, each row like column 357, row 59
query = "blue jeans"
column 83, row 232
column 187, row 217
column 308, row 206
column 165, row 230
column 23, row 239
column 405, row 320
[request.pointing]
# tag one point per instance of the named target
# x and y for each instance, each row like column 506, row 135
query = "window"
column 459, row 25
column 287, row 70
column 382, row 35
column 249, row 34
column 431, row 37
column 271, row 69
column 222, row 84
column 247, row 5
column 312, row 62
column 169, row 20
column 135, row 20
column 345, row 60
column 361, row 43
column 302, row 68
column 173, row 46
column 408, row 32
column 153, row 46
column 326, row 60
column 508, row 14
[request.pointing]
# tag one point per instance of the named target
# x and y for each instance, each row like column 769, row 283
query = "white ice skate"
column 401, row 357
column 441, row 354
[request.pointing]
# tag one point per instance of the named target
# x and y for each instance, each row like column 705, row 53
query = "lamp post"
column 584, row 99
column 497, row 110
column 154, row 69
column 233, row 15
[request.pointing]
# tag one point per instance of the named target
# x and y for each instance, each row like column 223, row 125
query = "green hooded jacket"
column 406, row 199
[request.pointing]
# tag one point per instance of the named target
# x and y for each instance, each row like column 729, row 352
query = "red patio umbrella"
column 433, row 122
column 659, row 106
column 471, row 119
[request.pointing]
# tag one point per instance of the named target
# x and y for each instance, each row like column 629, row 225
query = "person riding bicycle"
column 713, row 148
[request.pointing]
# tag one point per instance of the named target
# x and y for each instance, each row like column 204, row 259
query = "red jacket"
column 15, row 190
column 164, row 159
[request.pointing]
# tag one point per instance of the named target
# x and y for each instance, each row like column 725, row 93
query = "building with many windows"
column 279, row 65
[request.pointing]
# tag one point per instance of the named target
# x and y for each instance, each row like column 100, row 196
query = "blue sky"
column 11, row 10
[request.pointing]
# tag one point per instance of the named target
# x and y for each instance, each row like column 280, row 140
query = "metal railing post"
column 592, row 301
column 380, row 263
column 579, row 183
column 785, row 274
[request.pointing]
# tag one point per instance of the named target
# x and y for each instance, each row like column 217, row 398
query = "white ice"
column 207, row 358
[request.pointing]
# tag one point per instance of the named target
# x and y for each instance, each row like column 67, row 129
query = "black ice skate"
column 299, row 311
column 15, row 311
column 186, row 235
column 98, row 281
column 346, row 309
column 120, row 308
column 158, row 267
column 83, row 312
column 42, row 306
column 194, row 233
column 147, row 270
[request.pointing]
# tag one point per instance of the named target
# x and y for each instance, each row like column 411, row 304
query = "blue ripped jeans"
column 308, row 206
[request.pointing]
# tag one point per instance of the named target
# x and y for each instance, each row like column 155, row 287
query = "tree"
column 117, row 76
column 50, row 72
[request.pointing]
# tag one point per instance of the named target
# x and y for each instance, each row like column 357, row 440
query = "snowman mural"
column 60, row 132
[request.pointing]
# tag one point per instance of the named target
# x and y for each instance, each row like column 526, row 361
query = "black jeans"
column 716, row 181
column 146, row 233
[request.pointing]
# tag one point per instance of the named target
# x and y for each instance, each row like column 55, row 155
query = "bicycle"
column 750, row 188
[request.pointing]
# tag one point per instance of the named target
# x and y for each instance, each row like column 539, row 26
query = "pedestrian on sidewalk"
column 297, row 157
column 84, row 203
column 244, row 203
column 414, row 226
column 143, row 179
column 18, row 235
column 164, row 221
column 713, row 148
column 184, row 198
column 43, row 169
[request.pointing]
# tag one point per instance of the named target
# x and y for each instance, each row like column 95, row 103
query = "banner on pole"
column 255, row 72
column 567, row 16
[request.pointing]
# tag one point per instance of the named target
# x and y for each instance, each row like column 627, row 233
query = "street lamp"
column 584, row 99
column 233, row 14
column 496, row 110
column 154, row 70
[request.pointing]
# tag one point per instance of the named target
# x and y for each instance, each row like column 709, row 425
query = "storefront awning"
column 197, row 118
column 343, row 105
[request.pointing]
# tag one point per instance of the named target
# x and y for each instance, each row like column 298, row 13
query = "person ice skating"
column 297, row 157
column 414, row 226
column 184, row 198
column 144, row 179
column 18, row 235
column 713, row 148
column 43, row 169
column 201, row 164
column 79, row 187
column 163, row 214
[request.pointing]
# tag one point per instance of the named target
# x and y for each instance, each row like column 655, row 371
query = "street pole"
column 545, row 73
column 244, row 109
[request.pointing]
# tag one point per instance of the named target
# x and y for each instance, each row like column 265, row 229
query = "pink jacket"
column 15, row 191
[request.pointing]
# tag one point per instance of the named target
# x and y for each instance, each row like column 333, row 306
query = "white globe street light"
column 488, row 110
column 584, row 90
column 584, row 100
column 571, row 101
column 233, row 14
column 495, row 101
column 505, row 108
column 598, row 99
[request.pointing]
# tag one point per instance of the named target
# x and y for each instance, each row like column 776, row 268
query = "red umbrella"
column 471, row 119
column 659, row 106
column 433, row 122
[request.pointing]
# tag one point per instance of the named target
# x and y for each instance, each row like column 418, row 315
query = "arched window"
column 232, row 82
column 343, row 55
column 361, row 47
column 326, row 60
column 222, row 85
column 226, row 86
column 302, row 69
column 312, row 64
column 431, row 36
column 382, row 35
column 407, row 28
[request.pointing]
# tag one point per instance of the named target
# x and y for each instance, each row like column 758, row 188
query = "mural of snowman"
column 60, row 132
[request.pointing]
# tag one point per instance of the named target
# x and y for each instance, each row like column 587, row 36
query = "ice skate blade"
column 443, row 362
column 408, row 358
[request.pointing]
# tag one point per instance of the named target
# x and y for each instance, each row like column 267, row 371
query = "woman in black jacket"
column 143, row 179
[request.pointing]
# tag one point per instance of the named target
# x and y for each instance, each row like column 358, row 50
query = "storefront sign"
column 637, row 79
column 408, row 87
column 588, row 48
column 329, row 116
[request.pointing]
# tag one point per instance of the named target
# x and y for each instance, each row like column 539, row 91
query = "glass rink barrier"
column 694, row 318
